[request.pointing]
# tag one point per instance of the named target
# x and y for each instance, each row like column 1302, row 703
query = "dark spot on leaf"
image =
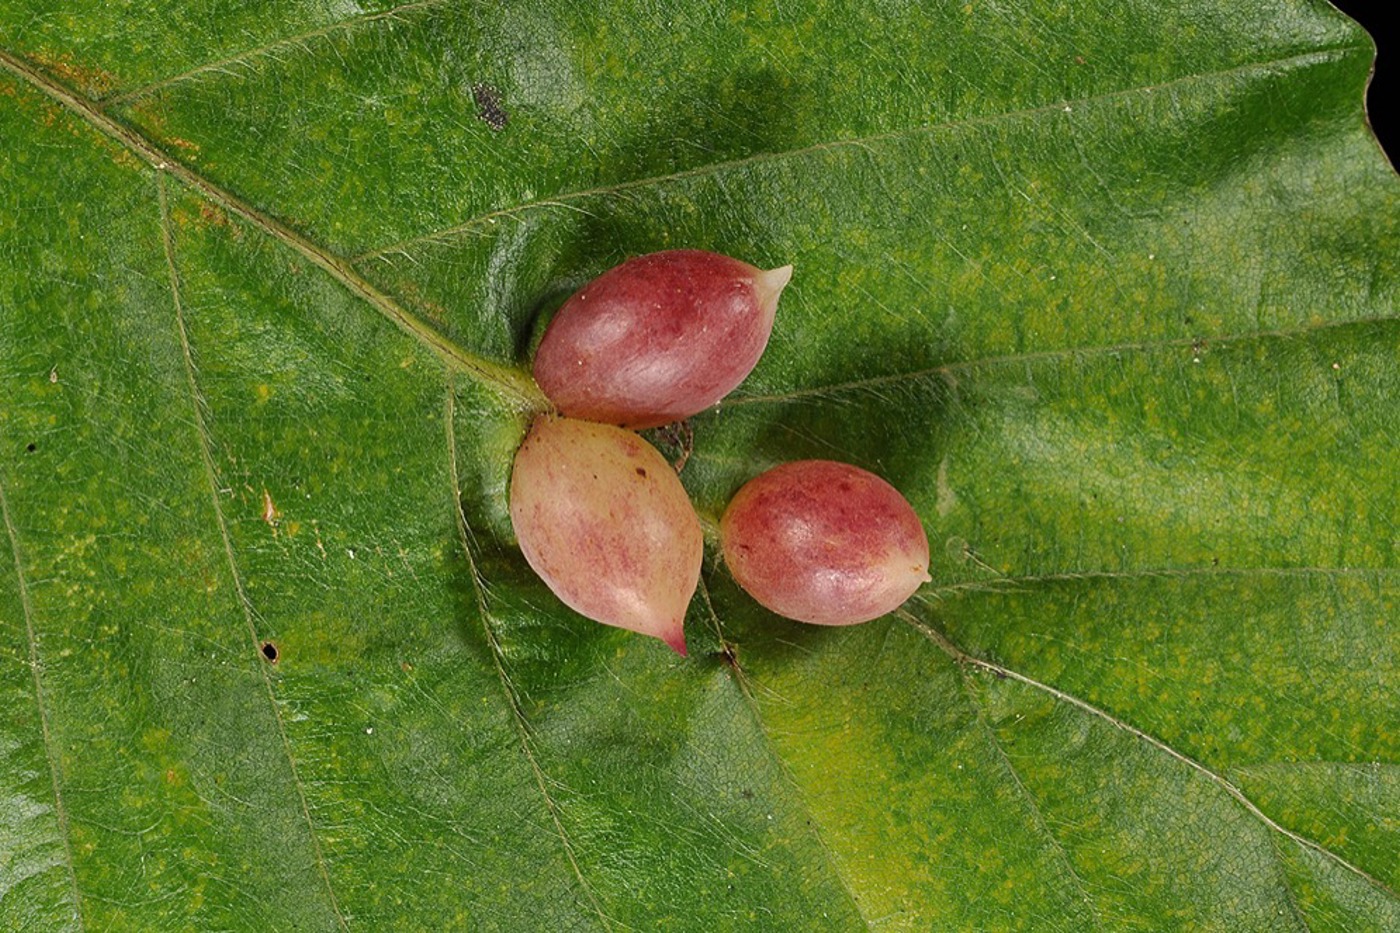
column 746, row 794
column 31, row 447
column 269, row 651
column 729, row 654
column 488, row 106
column 677, row 441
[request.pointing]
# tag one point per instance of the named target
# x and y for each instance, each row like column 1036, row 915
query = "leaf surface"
column 1108, row 292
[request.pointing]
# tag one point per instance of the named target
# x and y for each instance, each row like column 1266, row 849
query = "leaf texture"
column 1109, row 291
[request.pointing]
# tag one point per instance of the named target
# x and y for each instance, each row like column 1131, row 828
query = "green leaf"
column 1109, row 291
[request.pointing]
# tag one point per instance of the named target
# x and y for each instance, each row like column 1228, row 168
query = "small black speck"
column 488, row 106
column 269, row 651
column 641, row 471
column 31, row 447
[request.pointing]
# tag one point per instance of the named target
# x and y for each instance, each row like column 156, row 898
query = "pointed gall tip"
column 677, row 642
column 771, row 283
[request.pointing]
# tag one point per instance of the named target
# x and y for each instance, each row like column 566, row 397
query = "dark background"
column 1379, row 17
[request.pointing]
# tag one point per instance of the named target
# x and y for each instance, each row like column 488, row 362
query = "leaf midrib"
column 509, row 380
column 515, row 384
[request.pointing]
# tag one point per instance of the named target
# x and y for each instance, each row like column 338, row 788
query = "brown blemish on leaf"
column 269, row 511
column 488, row 106
column 127, row 160
column 94, row 82
column 212, row 214
column 149, row 114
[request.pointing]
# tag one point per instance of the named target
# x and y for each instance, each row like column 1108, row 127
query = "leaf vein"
column 741, row 680
column 1290, row 898
column 55, row 770
column 518, row 718
column 962, row 657
column 564, row 200
column 507, row 380
column 211, row 474
column 1009, row 584
column 1037, row 815
column 243, row 57
column 957, row 366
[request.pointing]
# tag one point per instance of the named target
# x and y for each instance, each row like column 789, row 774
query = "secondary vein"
column 956, row 366
column 267, row 48
column 510, row 382
column 962, row 657
column 211, row 474
column 497, row 655
column 714, row 168
column 50, row 753
column 741, row 681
